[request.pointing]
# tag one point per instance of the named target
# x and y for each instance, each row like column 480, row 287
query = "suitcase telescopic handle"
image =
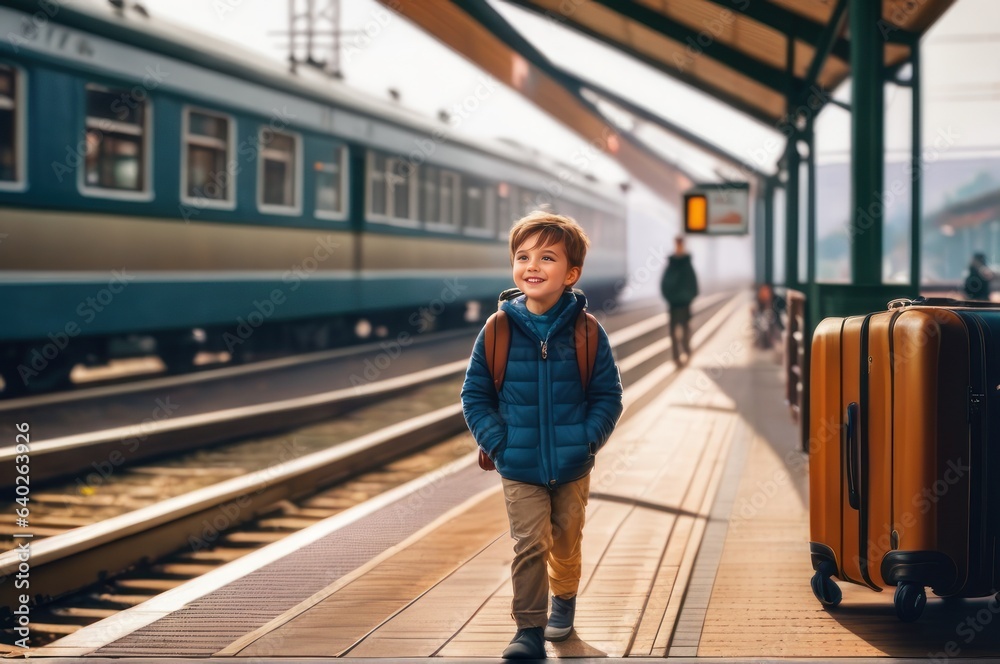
column 920, row 300
column 851, row 435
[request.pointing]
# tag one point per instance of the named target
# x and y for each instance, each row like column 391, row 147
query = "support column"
column 792, row 162
column 867, row 142
column 810, row 137
column 769, row 231
column 917, row 182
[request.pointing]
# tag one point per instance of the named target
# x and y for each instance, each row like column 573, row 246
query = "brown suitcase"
column 904, row 457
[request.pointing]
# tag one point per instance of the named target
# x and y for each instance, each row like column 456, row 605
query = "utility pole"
column 314, row 35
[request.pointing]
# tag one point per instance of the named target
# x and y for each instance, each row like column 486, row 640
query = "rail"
column 69, row 561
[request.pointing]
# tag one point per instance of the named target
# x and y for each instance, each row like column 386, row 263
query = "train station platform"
column 696, row 547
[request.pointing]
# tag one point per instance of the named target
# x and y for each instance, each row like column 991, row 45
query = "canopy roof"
column 761, row 57
column 754, row 55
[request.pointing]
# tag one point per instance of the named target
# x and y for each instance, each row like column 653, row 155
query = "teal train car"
column 161, row 193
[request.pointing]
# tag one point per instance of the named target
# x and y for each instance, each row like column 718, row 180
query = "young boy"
column 543, row 429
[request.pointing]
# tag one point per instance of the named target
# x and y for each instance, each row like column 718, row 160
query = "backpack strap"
column 497, row 346
column 586, row 336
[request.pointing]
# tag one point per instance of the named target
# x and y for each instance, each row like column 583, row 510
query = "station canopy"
column 754, row 55
column 760, row 57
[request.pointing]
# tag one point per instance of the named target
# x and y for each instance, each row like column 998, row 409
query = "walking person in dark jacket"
column 544, row 428
column 679, row 288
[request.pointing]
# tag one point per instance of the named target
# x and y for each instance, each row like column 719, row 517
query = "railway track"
column 178, row 425
column 199, row 528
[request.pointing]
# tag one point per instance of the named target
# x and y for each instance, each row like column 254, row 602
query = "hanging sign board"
column 718, row 209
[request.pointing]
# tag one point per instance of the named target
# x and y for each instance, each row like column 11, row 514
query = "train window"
column 11, row 138
column 397, row 187
column 528, row 202
column 593, row 223
column 392, row 194
column 477, row 216
column 451, row 184
column 489, row 209
column 116, row 140
column 430, row 197
column 567, row 209
column 279, row 170
column 505, row 215
column 583, row 216
column 208, row 141
column 331, row 184
column 377, row 197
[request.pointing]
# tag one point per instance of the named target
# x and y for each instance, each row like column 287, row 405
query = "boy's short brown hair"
column 551, row 228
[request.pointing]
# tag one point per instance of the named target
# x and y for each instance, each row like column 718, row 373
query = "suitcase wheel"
column 910, row 600
column 824, row 588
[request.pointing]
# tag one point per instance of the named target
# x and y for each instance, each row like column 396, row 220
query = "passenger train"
column 163, row 193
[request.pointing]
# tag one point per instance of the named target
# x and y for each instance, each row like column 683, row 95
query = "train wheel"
column 13, row 386
column 30, row 375
column 177, row 356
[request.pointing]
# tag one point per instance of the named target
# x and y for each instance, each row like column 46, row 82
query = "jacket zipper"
column 546, row 452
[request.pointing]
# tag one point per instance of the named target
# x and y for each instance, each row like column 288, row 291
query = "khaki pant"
column 547, row 527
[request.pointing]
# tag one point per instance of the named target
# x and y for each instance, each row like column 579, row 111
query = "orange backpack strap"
column 497, row 346
column 586, row 336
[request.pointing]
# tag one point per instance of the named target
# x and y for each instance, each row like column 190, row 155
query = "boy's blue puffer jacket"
column 542, row 428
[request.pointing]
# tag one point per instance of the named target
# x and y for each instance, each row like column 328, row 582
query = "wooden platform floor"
column 696, row 545
column 653, row 490
column 761, row 603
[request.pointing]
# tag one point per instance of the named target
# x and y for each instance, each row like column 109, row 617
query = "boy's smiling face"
column 543, row 273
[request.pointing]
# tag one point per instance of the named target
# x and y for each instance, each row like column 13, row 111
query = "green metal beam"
column 792, row 223
column 811, row 192
column 769, row 186
column 714, row 49
column 804, row 29
column 787, row 22
column 917, row 180
column 488, row 17
column 693, row 81
column 867, row 142
column 840, row 104
column 825, row 45
column 495, row 23
column 671, row 127
column 792, row 193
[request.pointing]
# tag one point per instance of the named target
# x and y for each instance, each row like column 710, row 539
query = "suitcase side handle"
column 850, row 447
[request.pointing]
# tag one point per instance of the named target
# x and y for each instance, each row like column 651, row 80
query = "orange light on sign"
column 695, row 213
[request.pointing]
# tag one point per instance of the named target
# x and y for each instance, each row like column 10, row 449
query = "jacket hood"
column 515, row 304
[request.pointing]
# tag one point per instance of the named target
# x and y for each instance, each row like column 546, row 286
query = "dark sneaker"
column 560, row 619
column 526, row 644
